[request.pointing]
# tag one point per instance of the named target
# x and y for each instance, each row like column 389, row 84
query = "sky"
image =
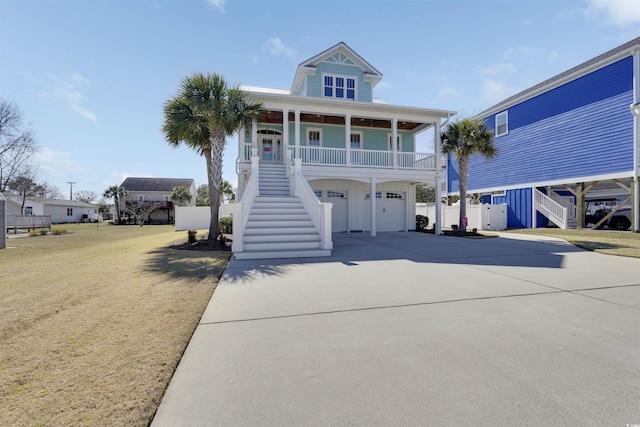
column 91, row 77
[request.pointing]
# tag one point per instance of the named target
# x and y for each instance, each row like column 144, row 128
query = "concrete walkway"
column 416, row 329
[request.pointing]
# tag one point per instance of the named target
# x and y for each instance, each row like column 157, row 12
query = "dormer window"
column 339, row 87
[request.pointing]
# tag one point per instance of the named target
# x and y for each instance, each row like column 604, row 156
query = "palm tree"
column 203, row 113
column 227, row 191
column 116, row 193
column 181, row 194
column 463, row 138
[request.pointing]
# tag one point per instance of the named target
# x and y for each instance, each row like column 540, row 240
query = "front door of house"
column 270, row 149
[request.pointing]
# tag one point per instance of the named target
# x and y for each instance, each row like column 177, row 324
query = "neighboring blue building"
column 566, row 145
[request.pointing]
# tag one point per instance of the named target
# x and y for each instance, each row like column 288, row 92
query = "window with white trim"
column 335, row 195
column 69, row 211
column 140, row 198
column 378, row 195
column 314, row 138
column 502, row 123
column 342, row 87
column 166, row 198
column 318, row 194
column 28, row 210
column 394, row 196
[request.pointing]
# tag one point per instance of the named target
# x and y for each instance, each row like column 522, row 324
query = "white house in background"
column 141, row 190
column 326, row 156
column 61, row 211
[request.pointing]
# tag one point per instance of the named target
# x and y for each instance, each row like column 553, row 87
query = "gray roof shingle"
column 155, row 184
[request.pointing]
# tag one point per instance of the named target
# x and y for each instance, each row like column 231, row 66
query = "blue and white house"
column 569, row 140
column 325, row 156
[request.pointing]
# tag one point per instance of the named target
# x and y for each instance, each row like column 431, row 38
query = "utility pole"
column 71, row 189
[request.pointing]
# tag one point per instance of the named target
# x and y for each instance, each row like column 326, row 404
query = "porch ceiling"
column 275, row 117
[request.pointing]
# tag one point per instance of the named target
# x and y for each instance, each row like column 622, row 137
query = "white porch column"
column 241, row 153
column 254, row 137
column 297, row 132
column 347, row 137
column 373, row 207
column 436, row 146
column 635, row 110
column 394, row 143
column 285, row 135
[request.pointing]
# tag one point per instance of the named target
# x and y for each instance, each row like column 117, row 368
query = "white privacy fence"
column 482, row 217
column 198, row 217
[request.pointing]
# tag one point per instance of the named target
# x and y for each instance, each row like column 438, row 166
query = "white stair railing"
column 242, row 209
column 572, row 209
column 552, row 209
column 319, row 212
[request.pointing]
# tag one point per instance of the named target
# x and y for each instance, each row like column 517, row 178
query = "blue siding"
column 519, row 205
column 315, row 83
column 583, row 127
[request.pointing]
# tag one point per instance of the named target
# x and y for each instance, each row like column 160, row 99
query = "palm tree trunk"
column 213, row 209
column 463, row 172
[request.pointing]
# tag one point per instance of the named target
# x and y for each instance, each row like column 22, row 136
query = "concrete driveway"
column 416, row 329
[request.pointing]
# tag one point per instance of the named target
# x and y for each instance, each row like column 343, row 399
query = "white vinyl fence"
column 482, row 217
column 198, row 217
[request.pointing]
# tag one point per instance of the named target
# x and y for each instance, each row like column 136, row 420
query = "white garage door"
column 340, row 211
column 390, row 211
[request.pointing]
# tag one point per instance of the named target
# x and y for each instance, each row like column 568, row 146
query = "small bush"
column 422, row 222
column 59, row 231
column 191, row 234
column 225, row 225
column 43, row 231
column 33, row 233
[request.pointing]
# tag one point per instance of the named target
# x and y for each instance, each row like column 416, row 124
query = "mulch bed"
column 467, row 234
column 201, row 244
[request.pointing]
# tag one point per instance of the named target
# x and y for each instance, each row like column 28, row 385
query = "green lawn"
column 94, row 322
column 622, row 243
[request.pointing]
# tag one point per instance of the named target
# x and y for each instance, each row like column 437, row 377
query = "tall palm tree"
column 227, row 192
column 117, row 193
column 463, row 138
column 204, row 112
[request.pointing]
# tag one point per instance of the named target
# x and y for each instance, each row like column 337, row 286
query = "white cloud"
column 495, row 91
column 525, row 51
column 276, row 47
column 500, row 68
column 217, row 3
column 618, row 12
column 57, row 164
column 71, row 91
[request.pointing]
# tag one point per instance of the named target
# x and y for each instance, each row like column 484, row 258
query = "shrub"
column 33, row 233
column 59, row 231
column 191, row 234
column 43, row 231
column 225, row 225
column 421, row 222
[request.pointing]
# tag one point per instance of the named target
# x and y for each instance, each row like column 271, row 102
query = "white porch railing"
column 28, row 221
column 242, row 209
column 328, row 156
column 319, row 212
column 552, row 209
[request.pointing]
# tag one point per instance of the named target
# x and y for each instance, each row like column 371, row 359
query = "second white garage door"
column 390, row 211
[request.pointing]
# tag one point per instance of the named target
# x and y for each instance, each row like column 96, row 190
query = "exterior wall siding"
column 519, row 207
column 315, row 83
column 581, row 128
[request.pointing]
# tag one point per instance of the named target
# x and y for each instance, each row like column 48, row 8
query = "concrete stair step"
column 283, row 237
column 313, row 253
column 276, row 216
column 279, row 246
column 278, row 224
column 277, row 231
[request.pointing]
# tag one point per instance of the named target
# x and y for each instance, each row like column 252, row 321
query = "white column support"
column 285, row 134
column 297, row 132
column 373, row 207
column 534, row 215
column 254, row 137
column 241, row 153
column 438, row 185
column 635, row 110
column 394, row 141
column 347, row 137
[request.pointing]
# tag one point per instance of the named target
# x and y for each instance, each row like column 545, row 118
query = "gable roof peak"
column 350, row 55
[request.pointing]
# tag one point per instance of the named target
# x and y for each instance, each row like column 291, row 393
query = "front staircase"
column 556, row 208
column 278, row 225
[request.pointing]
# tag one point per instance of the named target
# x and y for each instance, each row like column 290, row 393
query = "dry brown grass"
column 93, row 323
column 610, row 242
